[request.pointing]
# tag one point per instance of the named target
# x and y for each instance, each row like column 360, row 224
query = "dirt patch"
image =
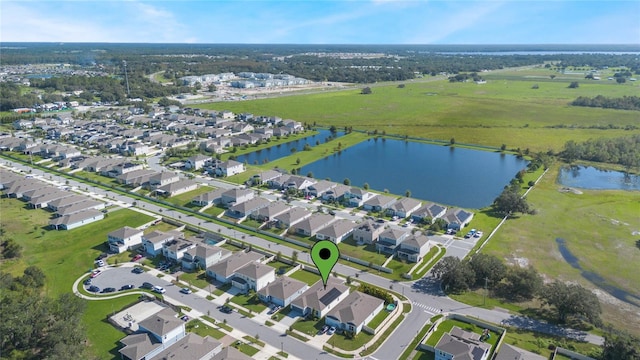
column 571, row 190
column 515, row 260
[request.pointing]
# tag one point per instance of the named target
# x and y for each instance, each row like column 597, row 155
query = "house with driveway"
column 75, row 220
column 177, row 188
column 282, row 291
column 461, row 344
column 390, row 239
column 356, row 197
column 457, row 218
column 161, row 179
column 428, row 212
column 379, row 203
column 153, row 241
column 291, row 217
column 229, row 168
column 354, row 312
column 311, row 225
column 337, row 193
column 203, row 256
column 236, row 196
column 253, row 276
column 212, row 197
column 267, row 213
column 124, row 239
column 196, row 162
column 318, row 300
column 403, row 207
column 225, row 270
column 319, row 188
column 175, row 249
column 247, row 208
column 336, row 231
column 367, row 232
column 414, row 247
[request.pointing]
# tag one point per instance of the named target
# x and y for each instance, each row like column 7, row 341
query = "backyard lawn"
column 184, row 199
column 249, row 301
column 198, row 327
column 306, row 277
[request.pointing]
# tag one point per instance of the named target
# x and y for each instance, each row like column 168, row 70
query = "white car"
column 185, row 290
column 159, row 289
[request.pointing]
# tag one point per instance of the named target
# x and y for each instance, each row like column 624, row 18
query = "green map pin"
column 325, row 255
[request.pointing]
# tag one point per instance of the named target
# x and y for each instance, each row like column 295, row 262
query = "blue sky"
column 323, row 22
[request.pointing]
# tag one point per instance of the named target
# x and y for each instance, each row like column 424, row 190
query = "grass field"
column 476, row 114
column 598, row 229
column 184, row 199
column 306, row 277
column 62, row 255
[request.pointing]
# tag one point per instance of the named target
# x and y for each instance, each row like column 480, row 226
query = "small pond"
column 284, row 149
column 588, row 177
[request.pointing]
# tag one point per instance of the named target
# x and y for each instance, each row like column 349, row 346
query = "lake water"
column 281, row 150
column 588, row 177
column 443, row 174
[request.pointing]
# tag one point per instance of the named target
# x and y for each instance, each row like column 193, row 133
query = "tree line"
column 623, row 151
column 36, row 327
column 623, row 103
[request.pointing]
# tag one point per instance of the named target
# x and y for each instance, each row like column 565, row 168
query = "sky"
column 322, row 21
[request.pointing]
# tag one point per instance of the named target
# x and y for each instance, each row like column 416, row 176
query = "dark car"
column 126, row 287
column 323, row 330
column 108, row 290
column 147, row 285
column 94, row 288
column 137, row 270
column 226, row 310
column 102, row 256
column 88, row 281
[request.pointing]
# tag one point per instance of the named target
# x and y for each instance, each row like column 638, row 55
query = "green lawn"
column 222, row 289
column 249, row 301
column 184, row 199
column 97, row 177
column 368, row 253
column 378, row 319
column 597, row 227
column 280, row 267
column 198, row 327
column 247, row 349
column 62, row 255
column 475, row 114
column 342, row 342
column 197, row 278
column 308, row 327
column 214, row 210
column 306, row 277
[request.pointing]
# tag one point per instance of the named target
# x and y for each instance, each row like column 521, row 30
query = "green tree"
column 346, row 181
column 521, row 283
column 487, row 268
column 11, row 249
column 620, row 346
column 572, row 300
column 366, row 91
column 456, row 275
column 510, row 201
column 407, row 193
column 574, row 85
column 294, row 257
column 452, row 141
column 365, row 186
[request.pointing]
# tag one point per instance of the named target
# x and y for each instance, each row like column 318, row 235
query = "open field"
column 62, row 255
column 598, row 227
column 484, row 114
column 184, row 199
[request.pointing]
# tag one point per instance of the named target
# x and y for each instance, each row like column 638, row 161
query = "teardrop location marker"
column 325, row 255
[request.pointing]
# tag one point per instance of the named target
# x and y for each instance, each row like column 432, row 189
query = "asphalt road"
column 424, row 293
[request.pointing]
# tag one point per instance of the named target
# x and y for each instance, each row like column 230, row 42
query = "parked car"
column 102, row 256
column 323, row 330
column 94, row 288
column 478, row 234
column 331, row 330
column 100, row 263
column 137, row 257
column 185, row 290
column 159, row 289
column 137, row 270
column 147, row 285
column 184, row 318
column 108, row 290
column 95, row 273
column 87, row 281
column 225, row 309
column 126, row 287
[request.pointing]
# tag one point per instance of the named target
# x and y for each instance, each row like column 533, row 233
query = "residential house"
column 267, row 213
column 203, row 256
column 253, row 276
column 356, row 197
column 508, row 352
column 225, row 270
column 43, row 201
column 403, row 207
column 318, row 300
column 428, row 212
column 174, row 250
column 124, row 239
column 79, row 207
column 298, row 183
column 236, row 196
column 461, row 344
column 75, row 220
column 282, row 291
column 177, row 188
column 55, row 205
column 414, row 248
column 457, row 218
column 247, row 208
column 336, row 231
column 209, row 198
column 153, row 241
column 291, row 217
column 136, row 178
column 229, row 168
column 367, row 232
column 162, row 179
column 265, row 177
column 390, row 239
column 230, row 353
column 192, row 346
column 379, row 203
column 354, row 312
column 311, row 225
column 196, row 162
column 336, row 193
column 318, row 189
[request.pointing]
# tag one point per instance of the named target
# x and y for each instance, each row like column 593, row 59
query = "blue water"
column 443, row 174
column 281, row 150
column 588, row 177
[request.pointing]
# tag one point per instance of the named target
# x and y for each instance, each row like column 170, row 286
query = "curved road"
column 425, row 294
